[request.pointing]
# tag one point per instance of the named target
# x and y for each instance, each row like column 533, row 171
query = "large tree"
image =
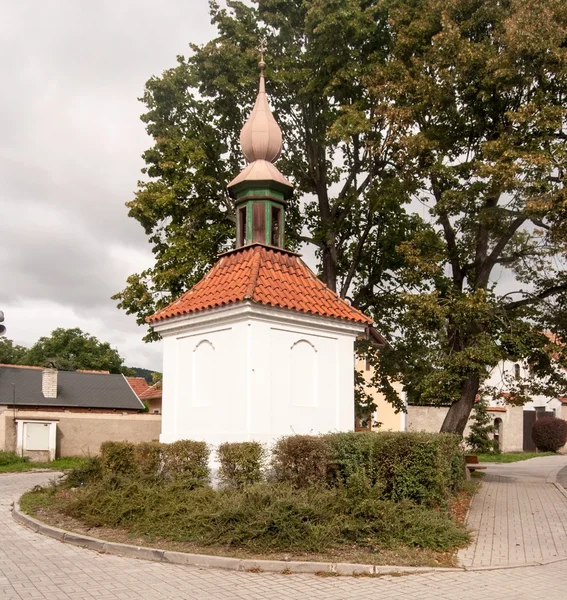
column 73, row 349
column 340, row 155
column 458, row 105
column 481, row 87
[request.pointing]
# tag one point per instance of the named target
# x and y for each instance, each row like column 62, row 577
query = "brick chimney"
column 49, row 382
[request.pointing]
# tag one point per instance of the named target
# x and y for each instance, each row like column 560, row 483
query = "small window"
column 517, row 371
column 276, row 228
column 241, row 226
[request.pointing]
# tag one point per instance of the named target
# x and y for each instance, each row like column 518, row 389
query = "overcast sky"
column 70, row 156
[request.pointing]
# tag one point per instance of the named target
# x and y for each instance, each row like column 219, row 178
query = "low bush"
column 118, row 458
column 187, row 462
column 301, row 460
column 549, row 434
column 149, row 457
column 240, row 463
column 11, row 458
column 86, row 473
column 266, row 517
column 421, row 467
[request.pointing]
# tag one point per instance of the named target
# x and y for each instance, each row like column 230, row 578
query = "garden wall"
column 430, row 419
column 81, row 434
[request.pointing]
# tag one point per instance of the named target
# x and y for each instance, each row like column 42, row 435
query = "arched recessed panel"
column 304, row 374
column 204, row 373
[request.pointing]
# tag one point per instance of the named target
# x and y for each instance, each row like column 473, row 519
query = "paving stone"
column 33, row 566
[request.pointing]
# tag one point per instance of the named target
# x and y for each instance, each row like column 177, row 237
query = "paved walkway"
column 519, row 515
column 37, row 567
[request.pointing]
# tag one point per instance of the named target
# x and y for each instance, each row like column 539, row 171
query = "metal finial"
column 262, row 49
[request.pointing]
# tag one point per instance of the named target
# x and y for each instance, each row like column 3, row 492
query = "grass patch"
column 510, row 457
column 18, row 464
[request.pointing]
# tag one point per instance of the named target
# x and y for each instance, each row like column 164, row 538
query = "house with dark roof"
column 46, row 413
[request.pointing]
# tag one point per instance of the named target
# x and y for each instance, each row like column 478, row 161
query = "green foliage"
column 72, row 349
column 301, row 460
column 10, row 353
column 479, row 89
column 82, row 474
column 11, row 458
column 240, row 463
column 341, row 156
column 147, row 374
column 458, row 106
column 186, row 462
column 150, row 459
column 479, row 439
column 423, row 468
column 118, row 458
column 549, row 434
column 11, row 465
column 510, row 457
column 265, row 517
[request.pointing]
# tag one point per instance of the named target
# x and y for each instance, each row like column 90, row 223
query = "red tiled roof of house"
column 20, row 366
column 563, row 399
column 496, row 408
column 263, row 275
column 153, row 391
column 138, row 384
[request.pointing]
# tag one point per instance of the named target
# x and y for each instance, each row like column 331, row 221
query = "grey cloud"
column 70, row 147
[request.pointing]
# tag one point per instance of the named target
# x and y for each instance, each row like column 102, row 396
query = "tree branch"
column 536, row 297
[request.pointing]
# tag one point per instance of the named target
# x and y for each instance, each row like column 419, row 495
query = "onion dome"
column 261, row 137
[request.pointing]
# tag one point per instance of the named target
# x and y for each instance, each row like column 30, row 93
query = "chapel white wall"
column 271, row 378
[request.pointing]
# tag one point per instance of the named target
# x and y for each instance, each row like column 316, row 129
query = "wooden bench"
column 472, row 463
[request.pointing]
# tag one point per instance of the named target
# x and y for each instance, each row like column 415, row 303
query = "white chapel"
column 260, row 347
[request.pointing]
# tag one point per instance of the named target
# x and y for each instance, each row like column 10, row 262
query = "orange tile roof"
column 154, row 391
column 138, row 384
column 263, row 275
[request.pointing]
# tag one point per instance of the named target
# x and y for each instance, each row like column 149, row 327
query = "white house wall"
column 256, row 374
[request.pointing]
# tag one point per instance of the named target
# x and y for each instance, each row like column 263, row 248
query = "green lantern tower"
column 260, row 191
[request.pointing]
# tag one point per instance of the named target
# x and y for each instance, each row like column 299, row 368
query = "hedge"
column 184, row 461
column 421, row 467
column 241, row 463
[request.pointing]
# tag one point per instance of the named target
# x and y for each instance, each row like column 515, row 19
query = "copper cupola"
column 260, row 190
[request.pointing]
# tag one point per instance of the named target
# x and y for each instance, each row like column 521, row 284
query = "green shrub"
column 11, row 458
column 187, row 462
column 549, row 434
column 266, row 517
column 301, row 460
column 424, row 468
column 149, row 457
column 352, row 454
column 80, row 476
column 240, row 463
column 118, row 458
column 480, row 438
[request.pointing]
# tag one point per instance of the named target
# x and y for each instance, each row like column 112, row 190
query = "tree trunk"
column 329, row 260
column 459, row 412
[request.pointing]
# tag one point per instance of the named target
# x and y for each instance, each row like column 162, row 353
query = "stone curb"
column 217, row 562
